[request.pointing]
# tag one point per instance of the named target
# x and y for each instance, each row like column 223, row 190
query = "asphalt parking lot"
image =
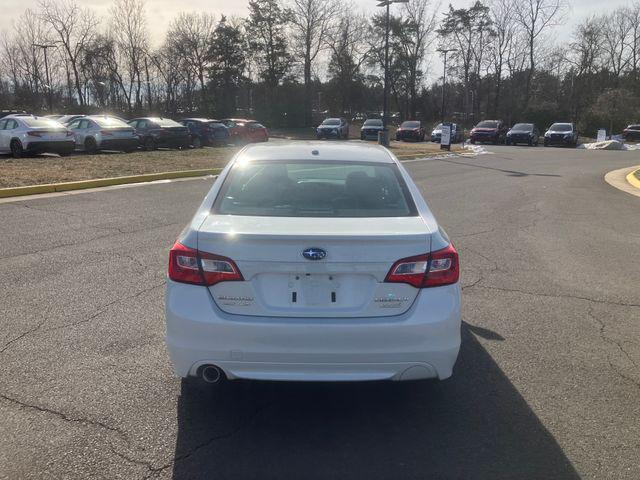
column 546, row 386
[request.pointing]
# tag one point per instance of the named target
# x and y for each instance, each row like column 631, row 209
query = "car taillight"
column 106, row 133
column 433, row 269
column 187, row 265
column 34, row 134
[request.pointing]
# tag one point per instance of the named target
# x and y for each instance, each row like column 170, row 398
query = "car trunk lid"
column 278, row 281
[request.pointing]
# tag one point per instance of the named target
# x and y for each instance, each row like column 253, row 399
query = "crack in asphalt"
column 101, row 310
column 21, row 336
column 618, row 344
column 104, row 308
column 551, row 295
column 66, row 417
column 590, row 313
column 154, row 471
column 100, row 237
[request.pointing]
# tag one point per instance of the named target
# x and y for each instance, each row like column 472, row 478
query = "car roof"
column 302, row 150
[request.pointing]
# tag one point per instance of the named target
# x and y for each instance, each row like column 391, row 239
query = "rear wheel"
column 16, row 148
column 150, row 144
column 90, row 145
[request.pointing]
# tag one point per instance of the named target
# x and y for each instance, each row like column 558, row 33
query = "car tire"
column 150, row 144
column 196, row 142
column 90, row 145
column 546, row 144
column 472, row 141
column 16, row 148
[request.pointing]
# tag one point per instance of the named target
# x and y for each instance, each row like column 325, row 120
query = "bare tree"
column 128, row 28
column 505, row 32
column 73, row 27
column 616, row 42
column 190, row 36
column 311, row 22
column 349, row 52
column 535, row 17
column 419, row 19
column 634, row 42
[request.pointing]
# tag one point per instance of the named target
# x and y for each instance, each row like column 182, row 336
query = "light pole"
column 444, row 51
column 45, row 47
column 385, row 102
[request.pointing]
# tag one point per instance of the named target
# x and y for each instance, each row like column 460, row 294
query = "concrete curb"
column 632, row 178
column 619, row 179
column 103, row 182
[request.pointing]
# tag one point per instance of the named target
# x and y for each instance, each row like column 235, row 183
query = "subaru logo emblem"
column 314, row 253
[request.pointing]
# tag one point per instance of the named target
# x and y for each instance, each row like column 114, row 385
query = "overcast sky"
column 160, row 12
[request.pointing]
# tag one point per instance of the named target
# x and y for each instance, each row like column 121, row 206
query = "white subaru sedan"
column 313, row 262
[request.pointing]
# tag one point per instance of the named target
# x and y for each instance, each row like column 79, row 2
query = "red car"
column 411, row 130
column 243, row 131
column 493, row 131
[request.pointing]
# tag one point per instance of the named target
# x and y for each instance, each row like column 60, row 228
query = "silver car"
column 94, row 133
column 28, row 134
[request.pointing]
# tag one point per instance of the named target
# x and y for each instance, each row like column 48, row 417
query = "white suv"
column 315, row 262
column 20, row 134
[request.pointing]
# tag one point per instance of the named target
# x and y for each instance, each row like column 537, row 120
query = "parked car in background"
column 457, row 134
column 523, row 133
column 488, row 131
column 243, row 131
column 333, row 128
column 206, row 132
column 331, row 247
column 561, row 134
column 371, row 128
column 411, row 130
column 632, row 132
column 5, row 113
column 28, row 134
column 53, row 117
column 255, row 132
column 155, row 132
column 66, row 119
column 94, row 133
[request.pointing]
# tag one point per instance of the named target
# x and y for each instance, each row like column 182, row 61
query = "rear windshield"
column 487, row 124
column 560, row 127
column 373, row 123
column 410, row 125
column 304, row 189
column 165, row 122
column 109, row 122
column 40, row 122
column 523, row 127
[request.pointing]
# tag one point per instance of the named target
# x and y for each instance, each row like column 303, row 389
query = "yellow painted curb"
column 103, row 182
column 633, row 180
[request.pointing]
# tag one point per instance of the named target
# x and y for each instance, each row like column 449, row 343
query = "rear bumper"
column 485, row 138
column 421, row 343
column 119, row 144
column 328, row 134
column 174, row 142
column 558, row 141
column 62, row 146
column 408, row 136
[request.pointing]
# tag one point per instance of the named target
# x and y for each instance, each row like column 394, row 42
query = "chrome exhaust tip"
column 212, row 374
